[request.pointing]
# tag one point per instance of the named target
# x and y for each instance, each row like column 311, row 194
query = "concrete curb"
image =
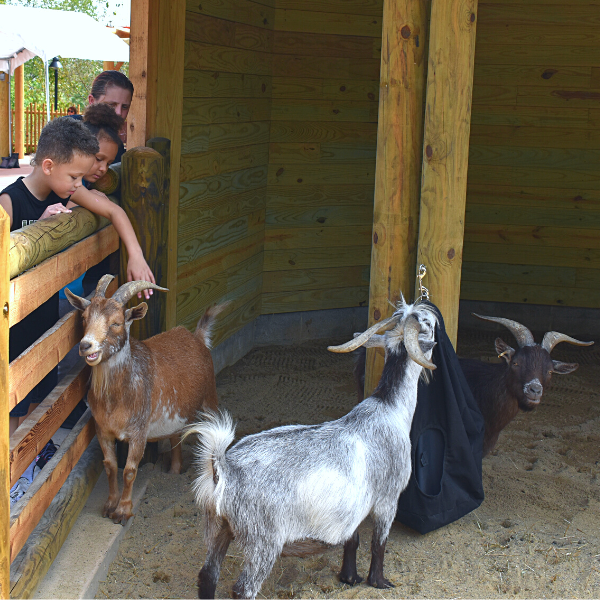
column 92, row 545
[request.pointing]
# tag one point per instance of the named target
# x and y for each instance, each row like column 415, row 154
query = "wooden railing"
column 35, row 119
column 35, row 263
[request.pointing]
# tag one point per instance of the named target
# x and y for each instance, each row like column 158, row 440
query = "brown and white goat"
column 501, row 390
column 141, row 391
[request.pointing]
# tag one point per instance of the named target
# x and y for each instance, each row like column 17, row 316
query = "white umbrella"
column 27, row 32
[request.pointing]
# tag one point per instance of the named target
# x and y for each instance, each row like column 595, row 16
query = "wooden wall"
column 326, row 58
column 532, row 229
column 224, row 160
column 277, row 157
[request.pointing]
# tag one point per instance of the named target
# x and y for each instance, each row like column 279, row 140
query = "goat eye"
column 115, row 325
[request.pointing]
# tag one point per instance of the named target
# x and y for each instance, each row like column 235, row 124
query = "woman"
column 115, row 89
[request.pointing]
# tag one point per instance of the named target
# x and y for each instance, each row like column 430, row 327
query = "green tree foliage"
column 76, row 76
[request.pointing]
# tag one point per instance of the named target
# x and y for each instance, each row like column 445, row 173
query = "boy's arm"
column 98, row 203
column 6, row 204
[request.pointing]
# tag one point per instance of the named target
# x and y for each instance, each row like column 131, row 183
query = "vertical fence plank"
column 4, row 437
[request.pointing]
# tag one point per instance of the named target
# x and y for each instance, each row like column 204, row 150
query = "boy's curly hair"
column 103, row 122
column 62, row 138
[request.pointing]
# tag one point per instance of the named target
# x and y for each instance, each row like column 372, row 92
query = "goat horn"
column 103, row 285
column 128, row 290
column 363, row 337
column 412, row 328
column 553, row 337
column 523, row 336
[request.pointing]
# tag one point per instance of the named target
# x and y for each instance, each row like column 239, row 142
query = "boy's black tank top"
column 26, row 207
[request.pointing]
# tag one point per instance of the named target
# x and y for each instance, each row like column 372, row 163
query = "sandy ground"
column 536, row 535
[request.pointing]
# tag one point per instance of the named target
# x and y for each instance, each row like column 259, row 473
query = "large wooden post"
column 4, row 437
column 19, row 123
column 446, row 152
column 138, row 72
column 398, row 168
column 143, row 199
column 4, row 114
column 166, row 58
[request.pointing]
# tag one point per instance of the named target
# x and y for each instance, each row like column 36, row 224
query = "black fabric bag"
column 447, row 442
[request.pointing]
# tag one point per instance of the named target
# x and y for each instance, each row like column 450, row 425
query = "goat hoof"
column 120, row 518
column 109, row 509
column 381, row 583
column 350, row 579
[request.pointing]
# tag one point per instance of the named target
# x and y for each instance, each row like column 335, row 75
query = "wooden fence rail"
column 35, row 119
column 35, row 263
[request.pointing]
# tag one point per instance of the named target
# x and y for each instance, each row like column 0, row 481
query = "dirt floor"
column 536, row 535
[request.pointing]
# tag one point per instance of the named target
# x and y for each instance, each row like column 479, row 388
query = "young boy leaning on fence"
column 66, row 152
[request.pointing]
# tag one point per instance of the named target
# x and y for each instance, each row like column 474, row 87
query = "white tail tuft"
column 216, row 433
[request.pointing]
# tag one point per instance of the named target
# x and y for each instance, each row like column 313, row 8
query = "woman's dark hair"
column 108, row 79
column 62, row 138
column 103, row 122
column 73, row 109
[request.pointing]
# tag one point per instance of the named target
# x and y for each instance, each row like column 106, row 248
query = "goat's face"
column 106, row 325
column 529, row 371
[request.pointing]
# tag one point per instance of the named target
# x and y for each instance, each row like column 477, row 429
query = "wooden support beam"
column 446, row 152
column 138, row 73
column 169, row 39
column 110, row 65
column 4, row 437
column 19, row 124
column 398, row 167
column 4, row 114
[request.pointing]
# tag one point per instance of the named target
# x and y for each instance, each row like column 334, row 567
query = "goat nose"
column 84, row 345
column 536, row 388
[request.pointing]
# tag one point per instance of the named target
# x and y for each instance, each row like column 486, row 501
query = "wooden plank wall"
column 319, row 216
column 277, row 157
column 224, row 160
column 532, row 229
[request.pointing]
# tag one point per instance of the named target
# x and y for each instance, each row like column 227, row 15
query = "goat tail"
column 207, row 322
column 215, row 434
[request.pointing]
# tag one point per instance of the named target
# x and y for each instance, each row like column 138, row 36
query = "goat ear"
column 137, row 312
column 76, row 301
column 563, row 368
column 504, row 350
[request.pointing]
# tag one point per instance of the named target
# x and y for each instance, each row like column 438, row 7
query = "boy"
column 66, row 152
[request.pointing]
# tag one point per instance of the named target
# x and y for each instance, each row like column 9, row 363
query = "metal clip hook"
column 423, row 291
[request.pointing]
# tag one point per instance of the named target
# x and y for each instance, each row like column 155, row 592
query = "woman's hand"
column 138, row 270
column 54, row 209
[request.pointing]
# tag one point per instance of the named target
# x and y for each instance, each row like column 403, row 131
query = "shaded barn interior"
column 278, row 157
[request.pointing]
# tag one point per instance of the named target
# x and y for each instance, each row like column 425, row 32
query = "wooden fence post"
column 398, row 168
column 143, row 199
column 4, row 437
column 4, row 115
column 19, row 124
column 446, row 152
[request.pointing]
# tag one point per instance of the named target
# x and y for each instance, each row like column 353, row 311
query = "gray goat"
column 315, row 482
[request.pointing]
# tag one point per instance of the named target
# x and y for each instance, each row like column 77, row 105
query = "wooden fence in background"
column 35, row 119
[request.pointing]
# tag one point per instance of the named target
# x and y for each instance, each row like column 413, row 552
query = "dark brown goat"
column 500, row 390
column 141, row 391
